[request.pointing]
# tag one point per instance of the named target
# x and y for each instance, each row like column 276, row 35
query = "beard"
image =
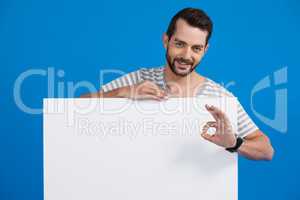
column 175, row 70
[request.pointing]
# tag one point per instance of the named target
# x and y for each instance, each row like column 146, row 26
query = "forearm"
column 111, row 94
column 258, row 148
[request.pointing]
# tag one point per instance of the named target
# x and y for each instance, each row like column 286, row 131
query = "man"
column 186, row 42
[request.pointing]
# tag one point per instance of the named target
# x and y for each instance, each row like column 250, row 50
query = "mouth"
column 182, row 65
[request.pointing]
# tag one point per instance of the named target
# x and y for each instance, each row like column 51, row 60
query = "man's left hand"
column 223, row 135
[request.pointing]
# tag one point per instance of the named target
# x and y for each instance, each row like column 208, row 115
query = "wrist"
column 238, row 144
column 122, row 92
column 232, row 144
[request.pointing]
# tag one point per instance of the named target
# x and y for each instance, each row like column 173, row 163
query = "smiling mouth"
column 182, row 65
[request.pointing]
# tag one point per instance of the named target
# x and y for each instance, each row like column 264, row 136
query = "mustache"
column 185, row 61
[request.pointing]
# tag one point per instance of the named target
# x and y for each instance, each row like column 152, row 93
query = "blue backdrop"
column 251, row 40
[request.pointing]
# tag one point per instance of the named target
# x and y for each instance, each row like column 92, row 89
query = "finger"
column 217, row 113
column 205, row 129
column 208, row 131
column 155, row 87
column 144, row 89
column 208, row 137
column 221, row 114
column 149, row 88
column 222, row 128
column 152, row 91
column 211, row 110
column 209, row 125
column 148, row 96
column 212, row 124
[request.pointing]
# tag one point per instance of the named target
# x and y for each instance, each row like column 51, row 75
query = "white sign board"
column 117, row 149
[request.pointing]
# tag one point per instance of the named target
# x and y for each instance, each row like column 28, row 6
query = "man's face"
column 185, row 48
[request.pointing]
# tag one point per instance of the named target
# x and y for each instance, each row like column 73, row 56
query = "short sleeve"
column 245, row 125
column 125, row 80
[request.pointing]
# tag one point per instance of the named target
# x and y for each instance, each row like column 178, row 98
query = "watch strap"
column 239, row 142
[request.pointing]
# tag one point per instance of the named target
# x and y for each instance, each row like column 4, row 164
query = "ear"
column 165, row 39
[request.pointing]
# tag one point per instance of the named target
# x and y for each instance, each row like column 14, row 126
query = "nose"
column 187, row 53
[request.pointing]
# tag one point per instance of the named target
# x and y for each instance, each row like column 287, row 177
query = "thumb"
column 208, row 137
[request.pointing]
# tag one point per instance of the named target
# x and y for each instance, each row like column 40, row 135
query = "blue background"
column 251, row 40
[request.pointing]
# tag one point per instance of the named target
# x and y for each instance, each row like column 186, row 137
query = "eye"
column 197, row 49
column 179, row 44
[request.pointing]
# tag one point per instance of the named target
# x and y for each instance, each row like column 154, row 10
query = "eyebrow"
column 196, row 45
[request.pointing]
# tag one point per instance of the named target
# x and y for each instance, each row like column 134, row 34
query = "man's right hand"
column 143, row 90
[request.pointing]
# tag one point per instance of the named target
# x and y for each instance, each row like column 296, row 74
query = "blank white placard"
column 116, row 148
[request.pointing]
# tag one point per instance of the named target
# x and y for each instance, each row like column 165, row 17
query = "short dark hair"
column 194, row 17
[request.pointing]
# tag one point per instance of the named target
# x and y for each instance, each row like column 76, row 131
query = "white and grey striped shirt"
column 245, row 125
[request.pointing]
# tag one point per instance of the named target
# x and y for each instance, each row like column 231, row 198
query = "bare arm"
column 143, row 90
column 257, row 146
column 101, row 94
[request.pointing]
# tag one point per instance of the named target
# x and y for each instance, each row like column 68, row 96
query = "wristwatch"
column 239, row 142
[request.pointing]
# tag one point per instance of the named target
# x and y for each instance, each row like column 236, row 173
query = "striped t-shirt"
column 209, row 88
